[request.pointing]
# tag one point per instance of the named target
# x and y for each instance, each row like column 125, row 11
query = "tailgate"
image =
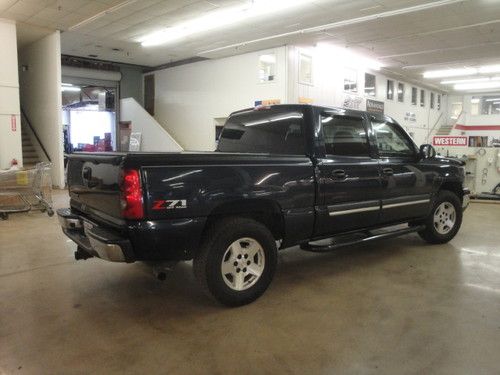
column 94, row 183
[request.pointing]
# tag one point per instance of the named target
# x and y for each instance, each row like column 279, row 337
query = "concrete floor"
column 394, row 307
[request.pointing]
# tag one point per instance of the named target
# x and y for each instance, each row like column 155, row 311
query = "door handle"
column 339, row 174
column 388, row 171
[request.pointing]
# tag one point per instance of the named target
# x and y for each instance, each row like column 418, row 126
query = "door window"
column 391, row 140
column 344, row 135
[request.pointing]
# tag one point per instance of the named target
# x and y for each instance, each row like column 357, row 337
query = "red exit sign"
column 449, row 141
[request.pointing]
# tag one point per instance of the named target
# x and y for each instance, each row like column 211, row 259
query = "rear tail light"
column 132, row 201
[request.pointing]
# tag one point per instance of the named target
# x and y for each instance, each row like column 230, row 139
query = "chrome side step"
column 357, row 238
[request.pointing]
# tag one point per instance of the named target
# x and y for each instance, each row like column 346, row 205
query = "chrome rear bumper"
column 94, row 239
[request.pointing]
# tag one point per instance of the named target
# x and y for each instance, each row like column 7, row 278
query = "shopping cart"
column 26, row 190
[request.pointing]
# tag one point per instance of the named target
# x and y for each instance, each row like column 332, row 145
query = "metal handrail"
column 35, row 134
column 435, row 124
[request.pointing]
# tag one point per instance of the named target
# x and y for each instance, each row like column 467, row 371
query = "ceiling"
column 407, row 40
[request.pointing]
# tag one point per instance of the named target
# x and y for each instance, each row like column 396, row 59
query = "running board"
column 350, row 241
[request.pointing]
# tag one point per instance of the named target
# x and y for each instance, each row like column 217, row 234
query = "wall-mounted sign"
column 374, row 106
column 411, row 117
column 449, row 141
column 135, row 141
column 352, row 102
column 13, row 123
column 303, row 100
column 267, row 102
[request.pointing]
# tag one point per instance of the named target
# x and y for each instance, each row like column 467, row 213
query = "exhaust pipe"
column 160, row 270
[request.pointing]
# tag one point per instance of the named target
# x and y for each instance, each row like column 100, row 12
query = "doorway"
column 89, row 116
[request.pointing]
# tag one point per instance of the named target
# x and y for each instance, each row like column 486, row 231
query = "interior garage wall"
column 327, row 88
column 40, row 88
column 10, row 140
column 188, row 98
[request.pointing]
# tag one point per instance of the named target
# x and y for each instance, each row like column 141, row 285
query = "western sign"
column 449, row 141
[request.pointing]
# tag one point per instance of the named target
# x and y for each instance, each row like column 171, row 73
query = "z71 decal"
column 169, row 204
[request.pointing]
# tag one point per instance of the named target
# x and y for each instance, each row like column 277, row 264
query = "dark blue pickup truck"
column 281, row 176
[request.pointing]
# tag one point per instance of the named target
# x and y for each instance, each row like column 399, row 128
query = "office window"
column 422, row 98
column 305, row 69
column 344, row 135
column 390, row 89
column 485, row 105
column 432, row 100
column 267, row 67
column 414, row 93
column 401, row 92
column 439, row 102
column 350, row 80
column 370, row 84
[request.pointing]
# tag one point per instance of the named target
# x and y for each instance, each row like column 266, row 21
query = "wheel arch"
column 455, row 187
column 264, row 211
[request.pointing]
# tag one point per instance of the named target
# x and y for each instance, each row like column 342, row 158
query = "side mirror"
column 427, row 151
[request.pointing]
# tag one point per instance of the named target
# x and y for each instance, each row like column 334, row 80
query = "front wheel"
column 444, row 220
column 236, row 261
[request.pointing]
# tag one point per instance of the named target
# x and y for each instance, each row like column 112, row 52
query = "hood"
column 452, row 161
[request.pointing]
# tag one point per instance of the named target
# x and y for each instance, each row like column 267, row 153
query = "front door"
column 406, row 185
column 348, row 176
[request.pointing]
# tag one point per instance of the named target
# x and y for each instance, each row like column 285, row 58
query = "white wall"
column 154, row 136
column 189, row 97
column 41, row 97
column 328, row 89
column 10, row 141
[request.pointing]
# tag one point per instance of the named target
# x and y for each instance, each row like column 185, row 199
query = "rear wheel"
column 444, row 220
column 236, row 261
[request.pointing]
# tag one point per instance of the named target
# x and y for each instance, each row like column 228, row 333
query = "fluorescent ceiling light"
column 67, row 84
column 453, row 81
column 489, row 69
column 450, row 73
column 477, row 86
column 492, row 100
column 217, row 19
column 70, row 88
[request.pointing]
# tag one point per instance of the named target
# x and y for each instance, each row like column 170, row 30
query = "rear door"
column 347, row 174
column 406, row 185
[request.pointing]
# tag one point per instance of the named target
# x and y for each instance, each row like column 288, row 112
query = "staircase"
column 30, row 156
column 445, row 129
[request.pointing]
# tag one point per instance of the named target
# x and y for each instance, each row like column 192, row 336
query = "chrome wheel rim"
column 243, row 264
column 445, row 217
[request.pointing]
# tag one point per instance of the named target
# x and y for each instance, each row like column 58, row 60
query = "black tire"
column 431, row 233
column 4, row 215
column 207, row 264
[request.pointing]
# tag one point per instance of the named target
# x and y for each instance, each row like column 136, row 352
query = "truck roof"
column 301, row 107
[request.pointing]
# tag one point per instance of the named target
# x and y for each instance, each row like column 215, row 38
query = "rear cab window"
column 270, row 131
